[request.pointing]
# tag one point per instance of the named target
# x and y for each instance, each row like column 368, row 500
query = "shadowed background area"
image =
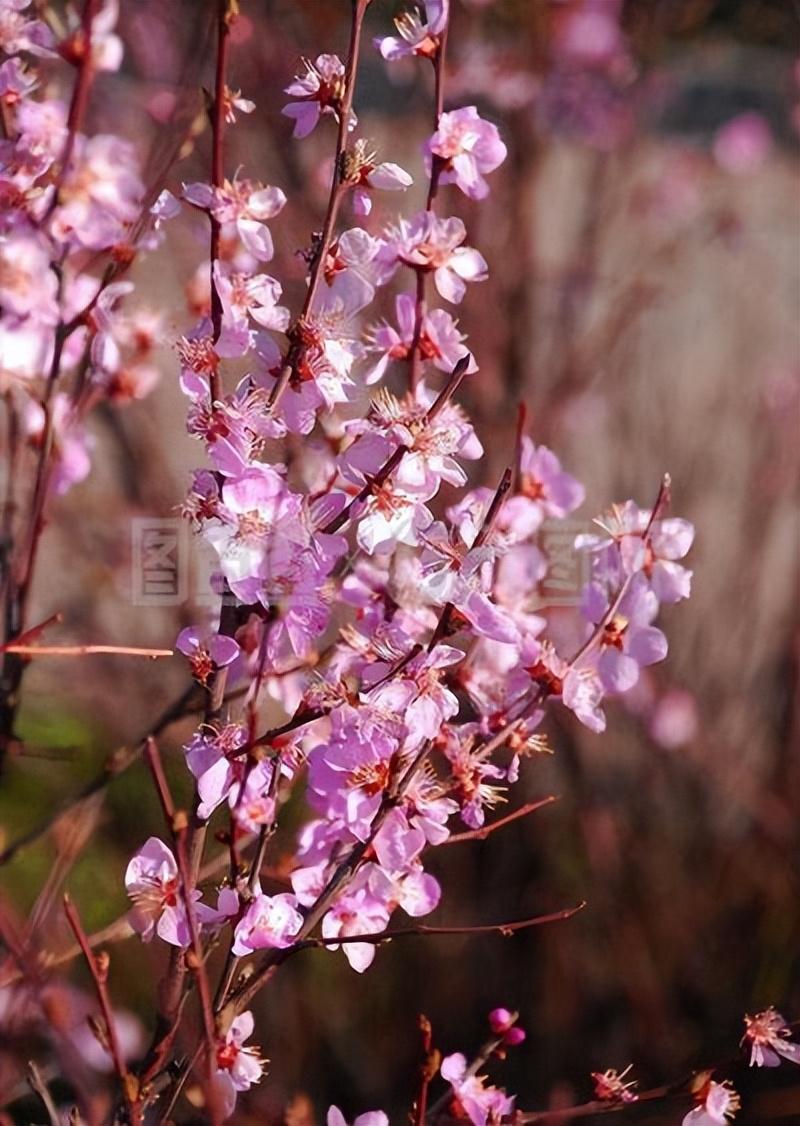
column 643, row 299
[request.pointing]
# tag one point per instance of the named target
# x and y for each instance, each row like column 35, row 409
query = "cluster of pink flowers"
column 408, row 644
column 70, row 226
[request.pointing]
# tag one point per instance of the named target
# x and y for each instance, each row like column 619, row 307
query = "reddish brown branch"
column 487, row 830
column 337, row 192
column 443, row 625
column 420, row 305
column 194, row 958
column 98, row 967
column 224, row 19
column 428, row 1069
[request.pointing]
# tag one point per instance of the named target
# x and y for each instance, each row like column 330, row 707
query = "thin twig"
column 178, row 825
column 428, row 1069
column 337, row 192
column 420, row 304
column 83, row 650
column 39, row 1087
column 98, row 967
column 487, row 830
column 224, row 17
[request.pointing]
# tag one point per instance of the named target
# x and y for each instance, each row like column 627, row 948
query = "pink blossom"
column 251, row 801
column 480, row 1103
column 628, row 641
column 210, row 757
column 440, row 342
column 468, row 148
column 426, row 242
column 611, row 1086
column 718, row 1104
column 70, row 460
column 418, row 696
column 235, row 102
column 622, row 550
column 238, row 1068
column 363, row 172
column 152, row 882
column 391, row 516
column 743, row 144
column 418, row 33
column 355, row 913
column 102, row 194
column 245, row 204
column 545, row 491
column 207, row 651
column 18, row 33
column 371, row 1118
column 269, row 922
column 16, row 83
column 769, row 1038
column 320, row 91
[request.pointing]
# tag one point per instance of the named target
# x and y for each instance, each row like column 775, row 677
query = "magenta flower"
column 320, row 91
column 503, row 1023
column 480, row 1103
column 210, row 757
column 349, row 773
column 468, row 147
column 269, row 922
column 206, row 650
column 426, row 242
column 238, row 1068
column 418, row 696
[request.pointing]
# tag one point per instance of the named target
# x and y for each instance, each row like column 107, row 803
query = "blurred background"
column 643, row 301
